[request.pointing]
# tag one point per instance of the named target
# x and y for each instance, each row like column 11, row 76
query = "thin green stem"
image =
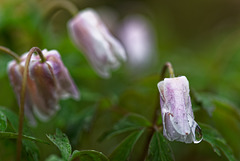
column 22, row 97
column 10, row 52
column 62, row 4
column 156, row 113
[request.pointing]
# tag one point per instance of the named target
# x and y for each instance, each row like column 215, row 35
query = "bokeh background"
column 200, row 38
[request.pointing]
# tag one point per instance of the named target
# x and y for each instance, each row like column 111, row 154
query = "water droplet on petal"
column 198, row 135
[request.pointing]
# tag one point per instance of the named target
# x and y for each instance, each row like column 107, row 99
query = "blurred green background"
column 200, row 38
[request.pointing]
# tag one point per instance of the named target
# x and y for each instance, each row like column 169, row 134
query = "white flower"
column 176, row 108
column 91, row 35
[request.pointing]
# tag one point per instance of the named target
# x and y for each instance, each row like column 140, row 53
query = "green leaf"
column 11, row 116
column 62, row 142
column 10, row 135
column 31, row 150
column 213, row 137
column 88, row 155
column 225, row 114
column 124, row 149
column 159, row 149
column 204, row 100
column 79, row 123
column 228, row 107
column 3, row 122
column 211, row 102
column 128, row 123
column 13, row 119
column 54, row 158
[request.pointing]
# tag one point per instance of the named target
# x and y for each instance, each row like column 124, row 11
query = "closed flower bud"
column 53, row 82
column 176, row 109
column 91, row 35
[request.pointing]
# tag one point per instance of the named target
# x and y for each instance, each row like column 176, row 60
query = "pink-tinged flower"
column 46, row 83
column 176, row 108
column 90, row 34
column 137, row 35
column 52, row 81
column 15, row 74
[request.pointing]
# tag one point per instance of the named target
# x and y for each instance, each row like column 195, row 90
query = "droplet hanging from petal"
column 198, row 135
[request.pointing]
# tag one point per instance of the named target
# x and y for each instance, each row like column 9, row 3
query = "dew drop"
column 198, row 135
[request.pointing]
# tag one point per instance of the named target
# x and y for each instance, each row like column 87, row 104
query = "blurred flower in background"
column 90, row 34
column 138, row 37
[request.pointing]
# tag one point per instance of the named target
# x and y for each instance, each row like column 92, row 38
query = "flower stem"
column 10, row 52
column 22, row 98
column 156, row 113
column 168, row 66
column 63, row 4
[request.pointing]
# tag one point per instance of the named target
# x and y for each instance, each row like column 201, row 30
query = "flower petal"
column 176, row 108
column 66, row 86
column 44, row 96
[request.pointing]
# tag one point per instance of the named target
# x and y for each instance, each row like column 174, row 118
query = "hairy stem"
column 61, row 4
column 10, row 52
column 156, row 113
column 22, row 98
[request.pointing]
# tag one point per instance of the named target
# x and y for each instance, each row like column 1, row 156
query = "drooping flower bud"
column 176, row 109
column 15, row 74
column 46, row 83
column 91, row 35
column 52, row 81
